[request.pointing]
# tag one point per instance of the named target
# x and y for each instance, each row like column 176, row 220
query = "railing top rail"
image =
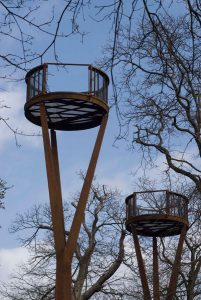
column 40, row 67
column 134, row 194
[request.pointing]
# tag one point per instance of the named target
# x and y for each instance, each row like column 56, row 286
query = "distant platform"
column 156, row 225
column 156, row 213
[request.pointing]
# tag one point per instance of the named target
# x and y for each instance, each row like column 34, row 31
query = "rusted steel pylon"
column 155, row 214
column 66, row 111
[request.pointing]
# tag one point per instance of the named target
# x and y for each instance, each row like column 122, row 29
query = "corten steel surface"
column 143, row 276
column 156, row 284
column 156, row 213
column 176, row 266
column 65, row 249
column 55, row 205
column 67, row 110
column 80, row 210
column 165, row 210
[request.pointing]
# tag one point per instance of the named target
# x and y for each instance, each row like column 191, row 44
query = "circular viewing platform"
column 156, row 213
column 75, row 95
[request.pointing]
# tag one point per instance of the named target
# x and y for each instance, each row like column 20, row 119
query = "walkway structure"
column 160, row 213
column 66, row 110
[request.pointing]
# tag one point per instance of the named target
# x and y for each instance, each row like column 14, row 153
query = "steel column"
column 143, row 276
column 80, row 209
column 52, row 169
column 176, row 266
column 156, row 285
column 57, row 174
column 62, row 265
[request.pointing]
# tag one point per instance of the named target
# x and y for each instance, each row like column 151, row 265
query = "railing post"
column 176, row 266
column 28, row 88
column 156, row 285
column 44, row 82
column 167, row 202
column 134, row 203
column 90, row 79
column 143, row 276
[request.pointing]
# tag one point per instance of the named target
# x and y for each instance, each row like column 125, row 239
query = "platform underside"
column 156, row 225
column 67, row 111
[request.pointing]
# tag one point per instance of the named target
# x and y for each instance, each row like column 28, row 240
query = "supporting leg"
column 80, row 210
column 156, row 289
column 64, row 252
column 143, row 276
column 56, row 170
column 62, row 264
column 52, row 169
column 176, row 266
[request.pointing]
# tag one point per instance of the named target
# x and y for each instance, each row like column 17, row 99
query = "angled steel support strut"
column 64, row 250
column 52, row 168
column 143, row 276
column 156, row 285
column 176, row 266
column 80, row 209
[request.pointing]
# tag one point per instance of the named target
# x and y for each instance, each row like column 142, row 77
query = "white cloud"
column 121, row 180
column 14, row 98
column 9, row 259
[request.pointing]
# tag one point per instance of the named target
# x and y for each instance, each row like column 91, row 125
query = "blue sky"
column 24, row 167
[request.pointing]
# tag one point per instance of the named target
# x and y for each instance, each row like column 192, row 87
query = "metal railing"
column 37, row 81
column 161, row 202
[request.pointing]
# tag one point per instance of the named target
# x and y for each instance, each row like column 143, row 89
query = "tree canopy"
column 99, row 253
column 3, row 188
column 156, row 75
column 153, row 56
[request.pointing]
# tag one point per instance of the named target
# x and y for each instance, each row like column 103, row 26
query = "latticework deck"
column 67, row 110
column 156, row 213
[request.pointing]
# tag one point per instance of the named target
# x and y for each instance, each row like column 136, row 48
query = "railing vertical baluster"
column 134, row 204
column 34, row 84
column 90, row 79
column 28, row 88
column 44, row 82
column 167, row 202
column 38, row 82
column 95, row 75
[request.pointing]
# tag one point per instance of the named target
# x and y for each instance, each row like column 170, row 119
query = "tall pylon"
column 67, row 111
column 159, row 213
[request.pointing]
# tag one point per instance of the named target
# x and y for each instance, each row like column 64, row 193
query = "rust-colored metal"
column 66, row 110
column 143, row 276
column 55, row 205
column 166, row 215
column 163, row 223
column 80, row 209
column 167, row 202
column 56, row 164
column 44, row 79
column 55, row 194
column 62, row 265
column 62, row 102
column 156, row 285
column 90, row 79
column 176, row 267
column 79, row 214
column 167, row 220
column 64, row 251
